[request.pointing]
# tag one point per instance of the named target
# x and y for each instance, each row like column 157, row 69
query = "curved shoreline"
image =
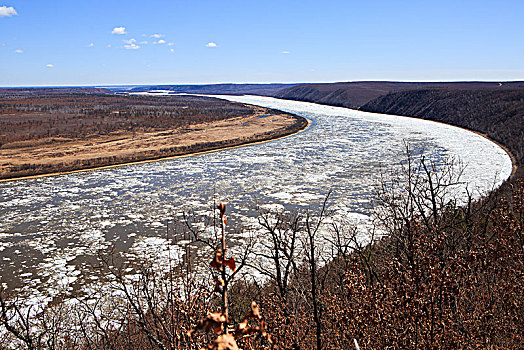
column 513, row 159
column 514, row 163
column 184, row 155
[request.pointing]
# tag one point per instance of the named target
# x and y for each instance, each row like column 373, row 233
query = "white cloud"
column 108, row 45
column 91, row 45
column 285, row 52
column 19, row 51
column 211, row 44
column 171, row 50
column 170, row 44
column 132, row 47
column 129, row 41
column 49, row 65
column 7, row 11
column 119, row 30
column 161, row 41
column 157, row 36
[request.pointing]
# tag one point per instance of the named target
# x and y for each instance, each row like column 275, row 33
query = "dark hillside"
column 499, row 113
column 356, row 94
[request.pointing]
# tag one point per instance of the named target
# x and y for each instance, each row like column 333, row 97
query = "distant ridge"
column 225, row 89
column 344, row 94
column 30, row 91
column 356, row 94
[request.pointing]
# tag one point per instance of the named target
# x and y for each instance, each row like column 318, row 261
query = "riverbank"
column 60, row 157
column 514, row 162
column 493, row 113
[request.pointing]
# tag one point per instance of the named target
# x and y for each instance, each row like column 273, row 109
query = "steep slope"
column 356, row 94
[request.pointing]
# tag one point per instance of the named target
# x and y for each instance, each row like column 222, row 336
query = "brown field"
column 54, row 133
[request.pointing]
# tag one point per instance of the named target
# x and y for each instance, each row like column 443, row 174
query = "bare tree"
column 313, row 257
column 277, row 256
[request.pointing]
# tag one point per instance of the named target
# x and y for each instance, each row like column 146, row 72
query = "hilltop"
column 356, row 94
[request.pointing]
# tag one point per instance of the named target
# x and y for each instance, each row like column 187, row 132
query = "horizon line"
column 261, row 83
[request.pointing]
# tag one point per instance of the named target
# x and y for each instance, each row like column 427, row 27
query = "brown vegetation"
column 52, row 133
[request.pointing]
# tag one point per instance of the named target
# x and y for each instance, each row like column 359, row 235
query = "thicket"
column 433, row 273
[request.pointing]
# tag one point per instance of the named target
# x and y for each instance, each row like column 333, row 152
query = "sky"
column 78, row 43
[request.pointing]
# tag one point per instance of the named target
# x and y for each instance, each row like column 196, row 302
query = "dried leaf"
column 222, row 207
column 255, row 310
column 213, row 322
column 216, row 263
column 219, row 283
column 241, row 326
column 224, row 342
column 230, row 263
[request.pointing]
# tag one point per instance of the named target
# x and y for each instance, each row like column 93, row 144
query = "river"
column 51, row 227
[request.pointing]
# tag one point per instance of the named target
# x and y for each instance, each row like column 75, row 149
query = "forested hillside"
column 356, row 94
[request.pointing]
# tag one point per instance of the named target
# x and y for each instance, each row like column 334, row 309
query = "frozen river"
column 52, row 226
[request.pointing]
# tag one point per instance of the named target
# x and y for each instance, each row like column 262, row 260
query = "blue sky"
column 115, row 42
